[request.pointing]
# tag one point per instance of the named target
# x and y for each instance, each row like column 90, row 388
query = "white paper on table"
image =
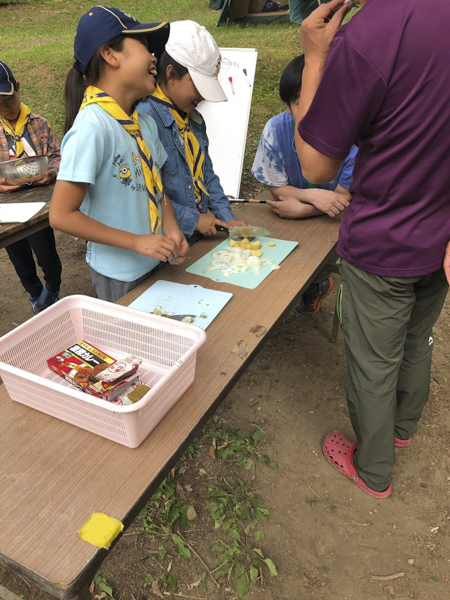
column 19, row 212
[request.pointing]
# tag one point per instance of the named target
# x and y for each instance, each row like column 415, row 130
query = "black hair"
column 291, row 80
column 163, row 62
column 76, row 82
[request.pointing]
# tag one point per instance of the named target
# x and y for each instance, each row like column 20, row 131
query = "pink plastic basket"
column 168, row 349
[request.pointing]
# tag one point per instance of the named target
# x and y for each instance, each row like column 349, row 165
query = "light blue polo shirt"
column 98, row 151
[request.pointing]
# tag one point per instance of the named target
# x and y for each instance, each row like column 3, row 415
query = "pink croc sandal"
column 398, row 443
column 338, row 451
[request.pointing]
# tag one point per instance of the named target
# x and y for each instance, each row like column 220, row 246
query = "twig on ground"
column 210, row 573
column 368, row 524
column 219, row 567
column 182, row 596
column 28, row 584
column 387, row 577
column 314, row 492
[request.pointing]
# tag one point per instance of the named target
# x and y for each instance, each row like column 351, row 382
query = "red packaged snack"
column 80, row 364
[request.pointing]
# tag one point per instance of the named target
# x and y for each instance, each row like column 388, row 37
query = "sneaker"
column 312, row 299
column 45, row 300
column 33, row 302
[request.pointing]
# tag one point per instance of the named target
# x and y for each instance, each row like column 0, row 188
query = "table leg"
column 84, row 593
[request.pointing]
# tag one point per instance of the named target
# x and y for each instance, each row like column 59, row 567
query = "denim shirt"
column 177, row 175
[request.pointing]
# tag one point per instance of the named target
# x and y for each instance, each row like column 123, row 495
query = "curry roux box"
column 80, row 363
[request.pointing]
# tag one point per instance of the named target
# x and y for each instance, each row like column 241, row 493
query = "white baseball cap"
column 192, row 46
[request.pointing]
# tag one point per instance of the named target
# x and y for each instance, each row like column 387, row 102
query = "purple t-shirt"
column 386, row 86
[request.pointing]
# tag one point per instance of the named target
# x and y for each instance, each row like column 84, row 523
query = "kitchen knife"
column 244, row 231
column 181, row 317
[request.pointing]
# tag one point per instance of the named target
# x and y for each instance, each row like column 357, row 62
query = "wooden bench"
column 55, row 475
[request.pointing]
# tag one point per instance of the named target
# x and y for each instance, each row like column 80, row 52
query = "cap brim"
column 208, row 87
column 157, row 34
column 6, row 89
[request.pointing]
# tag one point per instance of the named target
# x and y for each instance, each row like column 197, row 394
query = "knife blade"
column 181, row 317
column 244, row 231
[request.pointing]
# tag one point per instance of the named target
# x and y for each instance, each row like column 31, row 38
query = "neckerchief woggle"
column 152, row 179
column 194, row 154
column 17, row 132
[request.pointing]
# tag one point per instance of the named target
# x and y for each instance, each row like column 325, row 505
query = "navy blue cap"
column 102, row 23
column 7, row 80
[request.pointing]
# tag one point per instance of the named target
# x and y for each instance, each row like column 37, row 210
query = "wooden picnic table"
column 13, row 232
column 55, row 475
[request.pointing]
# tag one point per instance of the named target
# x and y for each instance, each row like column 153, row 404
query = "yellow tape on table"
column 100, row 530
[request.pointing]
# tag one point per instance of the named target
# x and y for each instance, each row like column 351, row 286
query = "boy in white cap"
column 24, row 133
column 188, row 74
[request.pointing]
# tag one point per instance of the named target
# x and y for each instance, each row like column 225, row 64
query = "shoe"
column 312, row 299
column 398, row 443
column 33, row 302
column 45, row 300
column 338, row 451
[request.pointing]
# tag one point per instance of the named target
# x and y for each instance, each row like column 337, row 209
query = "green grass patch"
column 37, row 44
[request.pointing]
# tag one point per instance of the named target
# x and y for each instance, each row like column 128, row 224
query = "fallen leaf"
column 156, row 589
column 212, row 452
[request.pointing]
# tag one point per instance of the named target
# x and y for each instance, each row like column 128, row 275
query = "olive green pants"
column 387, row 325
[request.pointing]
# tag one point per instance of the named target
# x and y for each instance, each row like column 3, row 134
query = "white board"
column 227, row 122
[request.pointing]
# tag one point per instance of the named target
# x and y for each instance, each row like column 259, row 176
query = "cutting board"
column 181, row 299
column 248, row 279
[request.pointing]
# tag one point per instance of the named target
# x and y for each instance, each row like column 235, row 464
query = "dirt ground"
column 328, row 540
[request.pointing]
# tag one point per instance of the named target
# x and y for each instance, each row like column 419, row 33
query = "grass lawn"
column 37, row 44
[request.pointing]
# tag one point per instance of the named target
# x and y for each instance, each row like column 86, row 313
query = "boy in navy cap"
column 23, row 133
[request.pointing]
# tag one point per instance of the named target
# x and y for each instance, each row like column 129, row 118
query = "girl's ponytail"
column 73, row 93
column 76, row 82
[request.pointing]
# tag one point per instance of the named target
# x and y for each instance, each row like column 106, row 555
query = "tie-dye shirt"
column 276, row 162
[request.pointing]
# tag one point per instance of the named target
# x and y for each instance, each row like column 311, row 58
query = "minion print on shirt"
column 125, row 175
column 129, row 173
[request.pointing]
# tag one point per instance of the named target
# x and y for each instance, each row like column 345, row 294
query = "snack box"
column 84, row 366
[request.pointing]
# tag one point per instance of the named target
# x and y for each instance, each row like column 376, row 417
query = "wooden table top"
column 55, row 475
column 12, row 232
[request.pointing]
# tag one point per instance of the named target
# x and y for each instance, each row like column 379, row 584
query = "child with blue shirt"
column 276, row 165
column 109, row 189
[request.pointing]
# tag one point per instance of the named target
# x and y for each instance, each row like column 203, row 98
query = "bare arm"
column 316, row 34
column 66, row 216
column 447, row 263
column 173, row 231
column 290, row 201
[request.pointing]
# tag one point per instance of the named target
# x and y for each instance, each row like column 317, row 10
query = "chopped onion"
column 237, row 260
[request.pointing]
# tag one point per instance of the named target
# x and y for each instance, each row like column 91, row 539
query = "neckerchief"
column 17, row 132
column 194, row 155
column 152, row 179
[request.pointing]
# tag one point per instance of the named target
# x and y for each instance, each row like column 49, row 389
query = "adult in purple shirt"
column 382, row 81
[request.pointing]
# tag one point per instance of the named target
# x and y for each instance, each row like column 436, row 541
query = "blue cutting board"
column 248, row 279
column 181, row 299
